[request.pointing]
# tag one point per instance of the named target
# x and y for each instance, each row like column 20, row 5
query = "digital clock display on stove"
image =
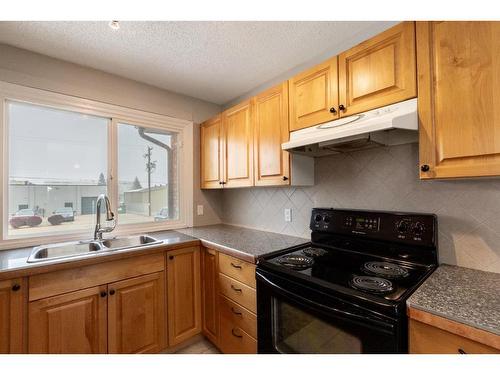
column 361, row 223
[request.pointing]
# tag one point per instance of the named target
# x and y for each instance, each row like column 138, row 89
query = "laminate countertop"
column 462, row 295
column 243, row 243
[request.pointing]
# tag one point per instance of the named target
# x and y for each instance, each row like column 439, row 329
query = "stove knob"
column 402, row 226
column 318, row 218
column 418, row 228
column 326, row 219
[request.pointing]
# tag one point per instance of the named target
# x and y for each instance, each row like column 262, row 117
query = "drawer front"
column 426, row 339
column 237, row 269
column 233, row 340
column 69, row 280
column 238, row 292
column 238, row 316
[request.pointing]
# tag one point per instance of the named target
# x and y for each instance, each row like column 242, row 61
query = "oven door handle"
column 347, row 314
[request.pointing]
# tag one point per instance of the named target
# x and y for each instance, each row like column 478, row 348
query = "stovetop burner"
column 314, row 251
column 371, row 284
column 385, row 269
column 298, row 262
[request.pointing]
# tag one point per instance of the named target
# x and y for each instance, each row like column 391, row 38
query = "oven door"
column 296, row 319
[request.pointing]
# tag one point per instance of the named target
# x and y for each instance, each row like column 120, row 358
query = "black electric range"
column 346, row 290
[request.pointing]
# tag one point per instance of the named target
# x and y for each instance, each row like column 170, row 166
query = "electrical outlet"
column 199, row 209
column 288, row 214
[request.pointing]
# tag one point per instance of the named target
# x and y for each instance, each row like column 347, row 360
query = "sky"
column 47, row 144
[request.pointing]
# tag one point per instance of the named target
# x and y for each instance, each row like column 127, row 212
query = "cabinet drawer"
column 233, row 340
column 426, row 339
column 237, row 269
column 238, row 316
column 238, row 292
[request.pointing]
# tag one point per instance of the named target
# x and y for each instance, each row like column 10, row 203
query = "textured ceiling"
column 214, row 61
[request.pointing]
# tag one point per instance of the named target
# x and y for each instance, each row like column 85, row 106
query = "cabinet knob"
column 103, row 294
column 461, row 351
column 111, row 292
column 333, row 110
column 16, row 287
column 285, row 178
column 425, row 168
column 342, row 108
column 171, row 257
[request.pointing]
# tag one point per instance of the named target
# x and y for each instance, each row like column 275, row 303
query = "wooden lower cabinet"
column 184, row 294
column 12, row 313
column 72, row 323
column 210, row 306
column 136, row 315
column 427, row 339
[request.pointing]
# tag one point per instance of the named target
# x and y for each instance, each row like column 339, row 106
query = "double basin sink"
column 85, row 248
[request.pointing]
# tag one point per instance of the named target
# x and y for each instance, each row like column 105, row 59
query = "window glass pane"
column 147, row 175
column 57, row 169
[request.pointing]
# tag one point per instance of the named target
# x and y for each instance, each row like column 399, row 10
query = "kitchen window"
column 60, row 153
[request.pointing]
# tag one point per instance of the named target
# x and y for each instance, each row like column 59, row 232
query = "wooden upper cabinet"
column 136, row 309
column 71, row 323
column 210, row 304
column 272, row 164
column 379, row 71
column 211, row 153
column 238, row 145
column 459, row 92
column 184, row 299
column 313, row 96
column 12, row 312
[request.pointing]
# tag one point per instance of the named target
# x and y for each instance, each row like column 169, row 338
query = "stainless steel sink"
column 86, row 248
column 129, row 242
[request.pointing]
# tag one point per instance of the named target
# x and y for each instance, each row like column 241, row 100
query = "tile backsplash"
column 383, row 179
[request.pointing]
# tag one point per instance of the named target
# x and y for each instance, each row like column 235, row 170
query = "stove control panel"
column 389, row 226
column 362, row 223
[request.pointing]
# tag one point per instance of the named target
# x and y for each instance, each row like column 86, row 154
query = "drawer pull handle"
column 461, row 351
column 235, row 334
column 236, row 312
column 235, row 266
column 237, row 290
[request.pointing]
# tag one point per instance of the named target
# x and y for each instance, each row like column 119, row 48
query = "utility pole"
column 150, row 167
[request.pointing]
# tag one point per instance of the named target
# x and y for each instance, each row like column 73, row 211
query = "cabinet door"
column 459, row 92
column 184, row 299
column 210, row 152
column 12, row 313
column 314, row 96
column 238, row 145
column 209, row 295
column 71, row 323
column 136, row 315
column 272, row 164
column 379, row 71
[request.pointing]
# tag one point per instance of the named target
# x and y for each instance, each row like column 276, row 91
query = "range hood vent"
column 387, row 126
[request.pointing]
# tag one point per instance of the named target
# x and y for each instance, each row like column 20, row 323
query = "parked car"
column 25, row 217
column 162, row 215
column 67, row 213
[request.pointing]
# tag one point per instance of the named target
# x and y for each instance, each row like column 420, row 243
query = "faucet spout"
column 109, row 217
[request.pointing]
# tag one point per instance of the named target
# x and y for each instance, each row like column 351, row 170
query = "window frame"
column 116, row 114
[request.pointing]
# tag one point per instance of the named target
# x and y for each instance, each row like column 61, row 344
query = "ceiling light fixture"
column 114, row 25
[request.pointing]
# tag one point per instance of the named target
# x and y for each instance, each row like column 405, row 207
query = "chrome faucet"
column 110, row 216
